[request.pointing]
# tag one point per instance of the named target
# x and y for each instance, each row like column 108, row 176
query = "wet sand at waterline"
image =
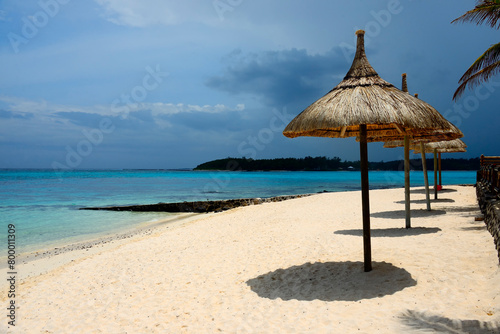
column 286, row 267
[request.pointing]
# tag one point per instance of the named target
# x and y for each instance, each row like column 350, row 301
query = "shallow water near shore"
column 43, row 205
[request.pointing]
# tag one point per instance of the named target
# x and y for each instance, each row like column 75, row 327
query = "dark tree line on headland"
column 329, row 164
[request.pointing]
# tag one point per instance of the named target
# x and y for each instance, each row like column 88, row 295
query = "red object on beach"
column 440, row 187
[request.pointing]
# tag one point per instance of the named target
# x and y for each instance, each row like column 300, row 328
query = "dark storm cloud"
column 144, row 119
column 228, row 121
column 280, row 77
column 9, row 114
column 80, row 118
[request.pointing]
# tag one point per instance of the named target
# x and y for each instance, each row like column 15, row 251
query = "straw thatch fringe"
column 450, row 146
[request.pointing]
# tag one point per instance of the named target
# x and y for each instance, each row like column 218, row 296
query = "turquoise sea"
column 43, row 205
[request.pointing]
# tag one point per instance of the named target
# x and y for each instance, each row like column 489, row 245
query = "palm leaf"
column 485, row 12
column 489, row 57
column 477, row 78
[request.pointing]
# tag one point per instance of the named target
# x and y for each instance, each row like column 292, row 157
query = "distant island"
column 328, row 164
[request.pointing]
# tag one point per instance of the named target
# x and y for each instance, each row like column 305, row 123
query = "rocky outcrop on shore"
column 198, row 206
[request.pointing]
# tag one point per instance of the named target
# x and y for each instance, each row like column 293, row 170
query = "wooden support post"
column 363, row 150
column 426, row 178
column 342, row 132
column 435, row 175
column 407, row 181
column 440, row 180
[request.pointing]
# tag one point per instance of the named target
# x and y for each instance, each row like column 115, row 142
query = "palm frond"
column 477, row 78
column 489, row 57
column 485, row 12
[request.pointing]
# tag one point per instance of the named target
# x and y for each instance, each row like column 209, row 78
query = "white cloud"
column 169, row 109
column 137, row 13
column 22, row 105
column 43, row 107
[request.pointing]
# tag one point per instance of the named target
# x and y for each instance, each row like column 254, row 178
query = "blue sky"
column 172, row 84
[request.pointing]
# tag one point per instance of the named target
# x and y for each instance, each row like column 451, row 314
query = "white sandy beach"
column 287, row 267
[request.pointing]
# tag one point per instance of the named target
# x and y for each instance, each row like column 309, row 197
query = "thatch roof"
column 449, row 146
column 363, row 97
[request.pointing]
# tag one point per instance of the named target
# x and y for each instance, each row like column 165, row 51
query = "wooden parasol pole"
column 407, row 182
column 404, row 88
column 424, row 168
column 426, row 178
column 440, row 183
column 435, row 174
column 363, row 151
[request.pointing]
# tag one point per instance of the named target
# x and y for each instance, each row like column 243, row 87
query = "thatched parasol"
column 367, row 106
column 363, row 97
column 406, row 144
column 451, row 146
column 414, row 142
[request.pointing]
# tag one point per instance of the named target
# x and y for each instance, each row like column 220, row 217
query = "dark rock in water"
column 197, row 207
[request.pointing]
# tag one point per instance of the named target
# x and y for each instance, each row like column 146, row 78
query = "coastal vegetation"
column 328, row 164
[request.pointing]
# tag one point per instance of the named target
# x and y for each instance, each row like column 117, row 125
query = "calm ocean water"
column 43, row 205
